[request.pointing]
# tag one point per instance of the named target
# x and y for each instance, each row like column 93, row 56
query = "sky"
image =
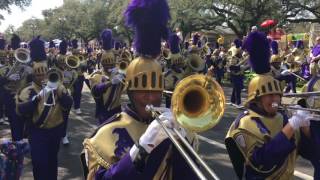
column 17, row 15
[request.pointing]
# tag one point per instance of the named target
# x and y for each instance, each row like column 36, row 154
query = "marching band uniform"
column 69, row 77
column 236, row 74
column 173, row 75
column 120, row 158
column 3, row 67
column 78, row 82
column 314, row 103
column 294, row 62
column 51, row 54
column 258, row 142
column 17, row 79
column 47, row 121
column 107, row 85
column 315, row 56
column 194, row 63
column 219, row 63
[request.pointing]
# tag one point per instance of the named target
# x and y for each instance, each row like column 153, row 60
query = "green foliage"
column 5, row 5
column 85, row 19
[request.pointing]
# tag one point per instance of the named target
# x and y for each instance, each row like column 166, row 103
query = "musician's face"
column 40, row 78
column 142, row 98
column 268, row 100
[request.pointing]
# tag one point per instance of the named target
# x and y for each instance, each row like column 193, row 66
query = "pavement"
column 211, row 148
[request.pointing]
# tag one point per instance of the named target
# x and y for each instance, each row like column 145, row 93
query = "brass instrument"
column 304, row 94
column 194, row 64
column 291, row 108
column 72, row 61
column 22, row 56
column 123, row 66
column 54, row 79
column 198, row 104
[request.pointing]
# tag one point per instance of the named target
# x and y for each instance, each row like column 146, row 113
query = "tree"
column 302, row 11
column 5, row 5
column 192, row 15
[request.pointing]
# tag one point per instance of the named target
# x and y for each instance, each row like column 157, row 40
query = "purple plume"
column 174, row 43
column 274, row 47
column 106, row 37
column 195, row 39
column 117, row 45
column 74, row 44
column 15, row 42
column 2, row 44
column 63, row 47
column 148, row 18
column 299, row 44
column 237, row 43
column 258, row 48
column 37, row 50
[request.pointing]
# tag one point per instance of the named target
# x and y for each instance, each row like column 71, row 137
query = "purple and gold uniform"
column 105, row 91
column 46, row 122
column 13, row 78
column 114, row 160
column 175, row 73
column 257, row 143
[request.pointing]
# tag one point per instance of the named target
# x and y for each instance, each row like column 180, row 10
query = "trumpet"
column 198, row 104
column 54, row 78
column 72, row 61
column 123, row 66
column 22, row 56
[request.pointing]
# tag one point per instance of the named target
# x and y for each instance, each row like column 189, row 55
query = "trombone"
column 304, row 94
column 198, row 104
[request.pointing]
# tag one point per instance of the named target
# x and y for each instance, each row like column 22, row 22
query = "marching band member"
column 219, row 63
column 108, row 84
column 236, row 73
column 175, row 72
column 314, row 103
column 194, row 63
column 293, row 61
column 46, row 109
column 78, row 83
column 263, row 143
column 51, row 54
column 3, row 68
column 69, row 77
column 315, row 57
column 14, row 78
column 132, row 144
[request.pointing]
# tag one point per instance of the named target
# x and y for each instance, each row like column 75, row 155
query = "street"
column 211, row 148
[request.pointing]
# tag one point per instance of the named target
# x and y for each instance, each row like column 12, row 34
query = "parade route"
column 211, row 148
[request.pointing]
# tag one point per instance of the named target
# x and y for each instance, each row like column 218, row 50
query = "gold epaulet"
column 94, row 157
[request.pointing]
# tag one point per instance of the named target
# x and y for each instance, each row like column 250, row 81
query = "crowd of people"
column 39, row 86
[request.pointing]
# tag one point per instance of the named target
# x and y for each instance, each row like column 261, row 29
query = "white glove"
column 52, row 85
column 14, row 77
column 167, row 115
column 300, row 118
column 45, row 91
column 154, row 135
column 116, row 79
column 285, row 72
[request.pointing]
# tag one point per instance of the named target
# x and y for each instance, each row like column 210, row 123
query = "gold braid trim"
column 94, row 155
